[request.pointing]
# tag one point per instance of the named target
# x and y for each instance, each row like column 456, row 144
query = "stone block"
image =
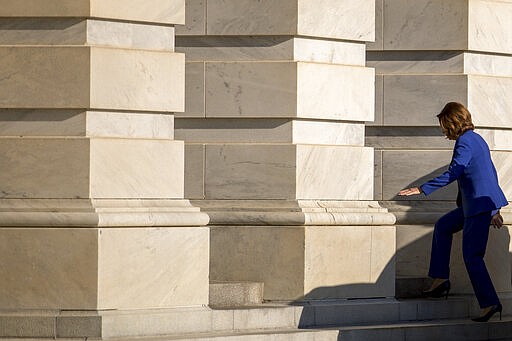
column 347, row 172
column 288, row 172
column 346, row 19
column 486, row 64
column 379, row 102
column 194, row 171
column 79, row 32
column 235, row 294
column 260, row 319
column 86, row 77
column 406, row 24
column 195, row 18
column 85, row 123
column 49, row 268
column 399, row 172
column 490, row 29
column 415, row 100
column 417, row 62
column 161, row 11
column 194, row 90
column 137, row 80
column 26, row 326
column 291, row 261
column 369, row 274
column 178, row 275
column 40, row 77
column 130, row 35
column 250, row 171
column 91, row 168
column 84, row 269
column 249, row 130
column 497, row 139
column 44, row 168
column 502, row 162
column 404, row 137
column 487, row 100
column 377, row 175
column 413, row 258
column 271, row 48
column 289, row 89
column 143, row 169
column 378, row 44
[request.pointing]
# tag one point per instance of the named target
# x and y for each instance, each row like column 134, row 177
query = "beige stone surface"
column 487, row 100
column 250, row 172
column 345, row 19
column 178, row 275
column 122, row 168
column 81, row 31
column 346, row 174
column 418, row 62
column 405, row 24
column 251, row 89
column 413, row 257
column 350, row 249
column 280, row 130
column 53, row 8
column 31, row 77
column 195, row 18
column 288, row 172
column 289, row 89
column 293, row 262
column 48, row 268
column 85, row 123
column 194, row 90
column 415, row 100
column 161, row 11
column 399, row 173
column 137, row 80
column 194, row 171
column 503, row 164
column 84, row 269
column 266, row 254
column 92, row 78
column 271, row 48
column 44, row 168
column 378, row 44
column 335, row 92
column 97, row 168
column 490, row 28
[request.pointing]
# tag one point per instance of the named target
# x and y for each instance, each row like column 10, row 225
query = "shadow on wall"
column 409, row 266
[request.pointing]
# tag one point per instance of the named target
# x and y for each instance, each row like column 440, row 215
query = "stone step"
column 452, row 330
column 197, row 320
column 235, row 294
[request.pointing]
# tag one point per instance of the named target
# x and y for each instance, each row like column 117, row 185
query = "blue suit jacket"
column 474, row 171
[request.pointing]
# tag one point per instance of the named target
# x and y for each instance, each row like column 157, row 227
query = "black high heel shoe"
column 441, row 290
column 484, row 318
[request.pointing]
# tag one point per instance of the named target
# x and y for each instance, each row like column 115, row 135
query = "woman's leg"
column 474, row 243
column 444, row 229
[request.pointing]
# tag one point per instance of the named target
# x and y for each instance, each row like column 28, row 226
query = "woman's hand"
column 497, row 220
column 410, row 191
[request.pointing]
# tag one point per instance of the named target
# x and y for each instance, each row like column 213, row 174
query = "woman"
column 478, row 203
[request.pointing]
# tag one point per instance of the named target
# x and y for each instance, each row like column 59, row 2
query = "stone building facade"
column 150, row 150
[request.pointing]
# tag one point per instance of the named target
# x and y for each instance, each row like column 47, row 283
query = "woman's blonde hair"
column 455, row 119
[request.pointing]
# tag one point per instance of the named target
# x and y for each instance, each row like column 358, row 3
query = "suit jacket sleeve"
column 461, row 158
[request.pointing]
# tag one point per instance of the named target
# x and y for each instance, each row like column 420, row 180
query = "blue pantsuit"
column 479, row 195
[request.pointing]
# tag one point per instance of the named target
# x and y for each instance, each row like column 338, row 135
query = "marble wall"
column 92, row 179
column 428, row 53
column 277, row 94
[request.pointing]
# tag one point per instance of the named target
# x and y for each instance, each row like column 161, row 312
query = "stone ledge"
column 293, row 213
column 99, row 213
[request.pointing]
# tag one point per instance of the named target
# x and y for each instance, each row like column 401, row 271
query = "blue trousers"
column 475, row 232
